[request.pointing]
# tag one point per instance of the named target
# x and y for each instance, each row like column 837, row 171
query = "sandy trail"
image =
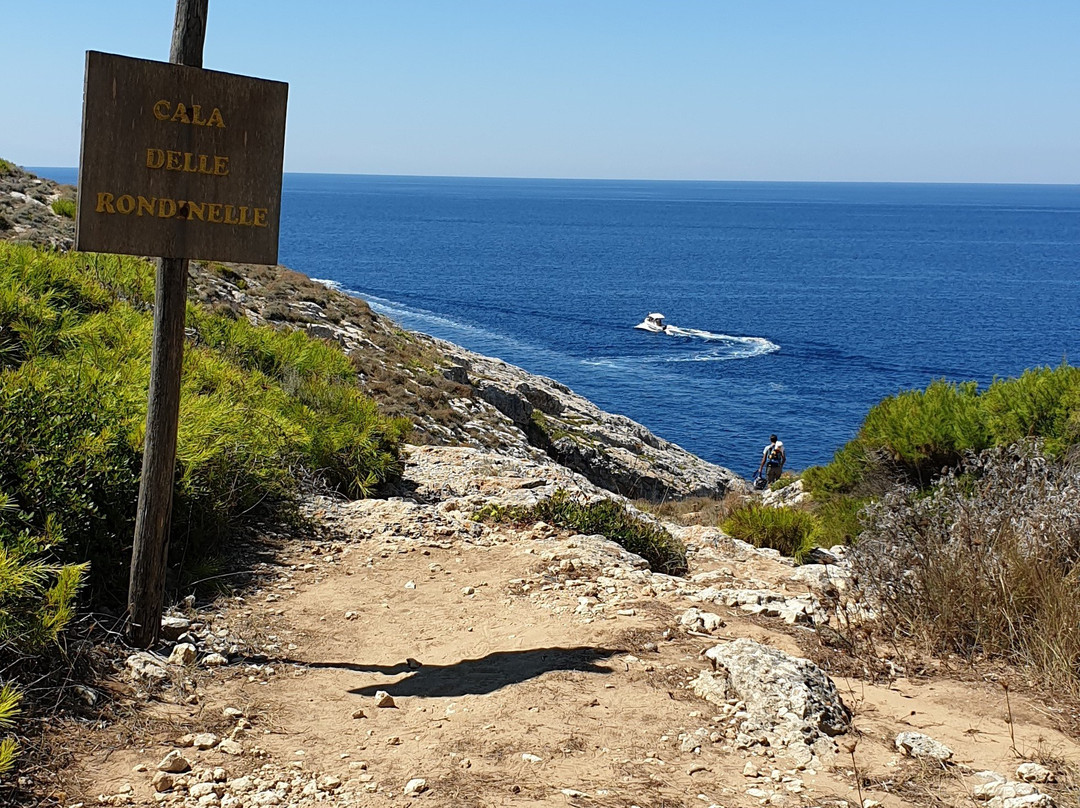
column 521, row 695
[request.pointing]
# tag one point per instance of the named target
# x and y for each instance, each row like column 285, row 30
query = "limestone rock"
column 997, row 791
column 230, row 747
column 701, row 621
column 172, row 628
column 611, row 451
column 329, row 783
column 147, row 666
column 163, row 781
column 1034, row 773
column 415, row 787
column 790, row 496
column 917, row 745
column 214, row 661
column 183, row 654
column 205, row 740
column 174, row 763
column 788, row 703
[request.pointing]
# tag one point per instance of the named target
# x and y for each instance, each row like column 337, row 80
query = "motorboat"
column 653, row 322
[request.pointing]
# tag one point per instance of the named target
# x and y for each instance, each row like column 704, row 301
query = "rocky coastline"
column 453, row 396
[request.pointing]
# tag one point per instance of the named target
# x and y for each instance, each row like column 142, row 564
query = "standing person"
column 772, row 460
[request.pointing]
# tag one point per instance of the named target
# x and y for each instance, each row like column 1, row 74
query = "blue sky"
column 861, row 90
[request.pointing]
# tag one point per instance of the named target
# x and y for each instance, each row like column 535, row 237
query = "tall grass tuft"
column 9, row 711
column 607, row 517
column 64, row 207
column 788, row 530
column 987, row 563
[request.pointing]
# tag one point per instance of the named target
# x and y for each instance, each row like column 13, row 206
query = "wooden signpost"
column 176, row 162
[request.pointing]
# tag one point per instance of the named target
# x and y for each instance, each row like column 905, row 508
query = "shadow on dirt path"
column 478, row 676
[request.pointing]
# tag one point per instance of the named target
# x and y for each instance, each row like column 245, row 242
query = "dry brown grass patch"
column 708, row 511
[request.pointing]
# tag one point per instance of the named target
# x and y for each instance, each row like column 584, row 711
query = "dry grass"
column 707, row 511
column 470, row 788
column 123, row 724
column 985, row 567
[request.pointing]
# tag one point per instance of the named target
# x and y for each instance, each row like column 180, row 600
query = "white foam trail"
column 731, row 347
column 329, row 284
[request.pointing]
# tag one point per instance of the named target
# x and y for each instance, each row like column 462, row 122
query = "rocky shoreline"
column 454, row 396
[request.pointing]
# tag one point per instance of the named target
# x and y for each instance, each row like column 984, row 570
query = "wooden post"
column 146, row 587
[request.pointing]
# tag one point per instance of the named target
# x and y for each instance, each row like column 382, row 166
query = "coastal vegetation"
column 789, row 530
column 607, row 517
column 64, row 207
column 983, row 564
column 917, row 435
column 261, row 409
column 263, row 413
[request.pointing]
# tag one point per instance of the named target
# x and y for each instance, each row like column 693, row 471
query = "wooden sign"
column 178, row 161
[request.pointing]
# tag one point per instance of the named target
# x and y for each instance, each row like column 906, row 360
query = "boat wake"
column 704, row 346
column 724, row 346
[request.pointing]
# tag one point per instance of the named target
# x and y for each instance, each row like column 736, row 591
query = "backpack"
column 776, row 456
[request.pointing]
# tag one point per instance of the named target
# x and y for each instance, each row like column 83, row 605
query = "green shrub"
column 917, row 433
column 1043, row 402
column 785, row 529
column 37, row 601
column 259, row 408
column 607, row 517
column 9, row 710
column 6, row 167
column 785, row 479
column 838, row 520
column 64, row 207
column 923, row 431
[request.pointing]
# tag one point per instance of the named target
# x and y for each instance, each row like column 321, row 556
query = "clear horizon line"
column 649, row 179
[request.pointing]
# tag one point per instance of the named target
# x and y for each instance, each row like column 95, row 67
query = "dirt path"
column 526, row 667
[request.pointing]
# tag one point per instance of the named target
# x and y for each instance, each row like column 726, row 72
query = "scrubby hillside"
column 265, row 415
column 34, row 209
column 501, row 627
column 452, row 396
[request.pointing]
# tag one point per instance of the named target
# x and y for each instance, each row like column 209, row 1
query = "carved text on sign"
column 170, row 160
column 214, row 212
column 165, row 111
column 178, row 161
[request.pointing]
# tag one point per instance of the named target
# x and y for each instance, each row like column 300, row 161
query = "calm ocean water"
column 800, row 305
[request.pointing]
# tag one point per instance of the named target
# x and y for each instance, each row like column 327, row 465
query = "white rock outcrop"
column 789, row 702
column 917, row 745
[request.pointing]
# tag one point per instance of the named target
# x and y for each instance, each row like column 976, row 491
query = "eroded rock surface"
column 790, row 703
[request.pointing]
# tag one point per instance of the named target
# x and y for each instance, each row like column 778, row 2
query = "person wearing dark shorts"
column 772, row 460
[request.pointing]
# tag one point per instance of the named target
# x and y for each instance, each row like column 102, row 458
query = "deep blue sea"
column 798, row 306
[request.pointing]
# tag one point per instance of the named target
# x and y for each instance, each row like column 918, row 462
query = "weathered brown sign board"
column 178, row 161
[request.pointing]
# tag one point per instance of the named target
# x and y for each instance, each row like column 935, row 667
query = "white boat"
column 654, row 323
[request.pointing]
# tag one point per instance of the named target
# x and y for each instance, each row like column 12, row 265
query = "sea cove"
column 804, row 303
